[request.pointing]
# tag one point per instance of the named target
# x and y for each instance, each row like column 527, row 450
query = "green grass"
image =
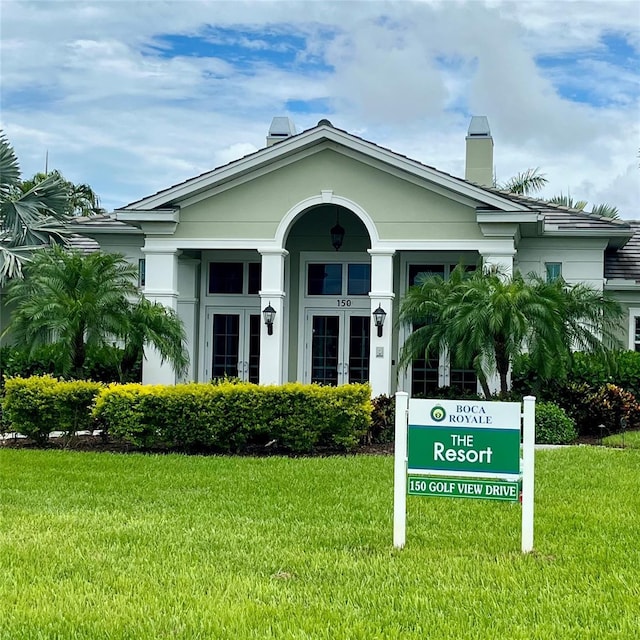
column 629, row 439
column 99, row 546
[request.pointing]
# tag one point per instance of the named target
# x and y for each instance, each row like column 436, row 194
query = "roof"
column 82, row 243
column 492, row 204
column 624, row 263
column 104, row 223
column 323, row 132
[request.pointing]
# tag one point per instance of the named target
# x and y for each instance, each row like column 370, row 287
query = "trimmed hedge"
column 553, row 425
column 38, row 405
column 229, row 417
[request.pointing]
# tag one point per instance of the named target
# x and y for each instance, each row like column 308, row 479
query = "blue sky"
column 132, row 97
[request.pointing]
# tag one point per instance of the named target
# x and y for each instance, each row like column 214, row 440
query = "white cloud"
column 91, row 82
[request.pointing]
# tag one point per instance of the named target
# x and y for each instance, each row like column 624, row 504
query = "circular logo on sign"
column 438, row 413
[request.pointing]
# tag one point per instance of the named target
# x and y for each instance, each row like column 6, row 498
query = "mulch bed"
column 107, row 445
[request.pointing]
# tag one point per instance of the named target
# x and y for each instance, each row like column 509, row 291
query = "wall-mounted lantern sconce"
column 378, row 319
column 269, row 314
column 337, row 233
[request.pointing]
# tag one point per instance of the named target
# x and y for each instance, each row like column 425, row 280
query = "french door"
column 233, row 344
column 336, row 346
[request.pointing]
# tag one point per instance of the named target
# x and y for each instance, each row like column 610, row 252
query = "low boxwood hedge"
column 37, row 405
column 229, row 417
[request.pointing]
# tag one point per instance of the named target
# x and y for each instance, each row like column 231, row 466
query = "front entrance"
column 336, row 346
column 233, row 344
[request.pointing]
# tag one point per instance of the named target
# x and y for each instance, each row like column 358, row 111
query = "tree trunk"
column 482, row 379
column 502, row 365
column 78, row 353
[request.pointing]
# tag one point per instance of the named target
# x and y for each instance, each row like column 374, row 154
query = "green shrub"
column 231, row 416
column 16, row 361
column 102, row 363
column 38, row 405
column 553, row 425
column 383, row 420
column 612, row 409
column 621, row 368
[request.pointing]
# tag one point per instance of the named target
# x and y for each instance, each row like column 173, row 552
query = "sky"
column 132, row 97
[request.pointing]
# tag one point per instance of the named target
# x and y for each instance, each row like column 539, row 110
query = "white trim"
column 490, row 245
column 325, row 197
column 634, row 313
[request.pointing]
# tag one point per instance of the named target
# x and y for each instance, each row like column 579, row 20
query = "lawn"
column 99, row 546
column 629, row 439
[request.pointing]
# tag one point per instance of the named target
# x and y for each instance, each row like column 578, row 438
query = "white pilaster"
column 161, row 285
column 188, row 306
column 382, row 295
column 273, row 347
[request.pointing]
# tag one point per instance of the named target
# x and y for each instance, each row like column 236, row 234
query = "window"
column 358, row 279
column 328, row 279
column 141, row 272
column 553, row 270
column 424, row 270
column 324, row 280
column 234, row 278
column 636, row 334
column 255, row 276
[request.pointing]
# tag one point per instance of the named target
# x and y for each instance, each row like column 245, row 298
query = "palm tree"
column 567, row 201
column 525, row 183
column 81, row 198
column 153, row 323
column 484, row 319
column 531, row 181
column 29, row 218
column 75, row 300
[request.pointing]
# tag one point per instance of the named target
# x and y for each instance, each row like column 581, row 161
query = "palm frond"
column 526, row 182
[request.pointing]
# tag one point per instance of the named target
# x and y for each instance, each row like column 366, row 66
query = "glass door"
column 338, row 347
column 233, row 345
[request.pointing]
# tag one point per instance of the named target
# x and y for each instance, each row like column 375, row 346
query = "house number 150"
column 343, row 302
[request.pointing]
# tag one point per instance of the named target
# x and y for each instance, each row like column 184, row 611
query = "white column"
column 272, row 347
column 382, row 295
column 161, row 285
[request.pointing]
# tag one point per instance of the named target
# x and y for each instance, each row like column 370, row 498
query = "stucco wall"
column 399, row 208
column 582, row 259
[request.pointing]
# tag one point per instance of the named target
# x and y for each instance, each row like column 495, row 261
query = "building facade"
column 326, row 231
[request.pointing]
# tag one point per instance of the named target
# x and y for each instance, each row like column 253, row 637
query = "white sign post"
column 400, row 470
column 463, row 449
column 528, row 471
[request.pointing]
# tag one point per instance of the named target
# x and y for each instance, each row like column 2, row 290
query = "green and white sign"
column 463, row 449
column 464, row 438
column 477, row 488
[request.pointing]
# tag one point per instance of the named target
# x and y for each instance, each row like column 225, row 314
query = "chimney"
column 281, row 128
column 479, row 161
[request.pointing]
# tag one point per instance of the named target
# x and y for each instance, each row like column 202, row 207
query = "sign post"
column 400, row 471
column 463, row 449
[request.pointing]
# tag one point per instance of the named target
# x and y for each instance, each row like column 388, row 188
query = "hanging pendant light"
column 337, row 233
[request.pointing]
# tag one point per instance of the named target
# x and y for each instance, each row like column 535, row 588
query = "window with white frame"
column 234, row 278
column 553, row 270
column 633, row 343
